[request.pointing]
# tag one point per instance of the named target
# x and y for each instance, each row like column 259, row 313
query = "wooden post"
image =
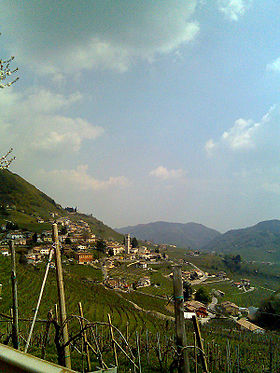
column 15, row 338
column 181, row 340
column 61, row 296
column 113, row 339
column 84, row 336
column 195, row 354
column 55, row 312
column 200, row 344
column 46, row 334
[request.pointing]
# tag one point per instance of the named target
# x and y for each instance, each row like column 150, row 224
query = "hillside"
column 259, row 242
column 190, row 235
column 21, row 203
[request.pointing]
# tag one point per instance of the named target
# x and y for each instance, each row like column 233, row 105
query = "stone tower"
column 127, row 243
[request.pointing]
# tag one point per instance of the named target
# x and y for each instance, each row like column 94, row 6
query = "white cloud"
column 31, row 122
column 247, row 134
column 233, row 9
column 209, row 147
column 274, row 65
column 80, row 179
column 241, row 135
column 78, row 35
column 165, row 174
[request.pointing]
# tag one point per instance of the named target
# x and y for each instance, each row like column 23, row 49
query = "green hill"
column 259, row 242
column 21, row 203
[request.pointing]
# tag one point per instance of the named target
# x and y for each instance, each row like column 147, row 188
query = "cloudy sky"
column 138, row 111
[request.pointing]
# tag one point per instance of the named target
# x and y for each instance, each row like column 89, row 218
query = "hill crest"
column 192, row 235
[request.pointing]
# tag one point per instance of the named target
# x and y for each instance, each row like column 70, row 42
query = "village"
column 79, row 245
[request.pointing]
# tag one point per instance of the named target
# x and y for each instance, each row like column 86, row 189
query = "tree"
column 101, row 246
column 68, row 241
column 202, row 295
column 5, row 73
column 63, row 230
column 134, row 243
column 268, row 315
column 233, row 262
column 10, row 226
column 187, row 290
column 35, row 238
column 6, row 160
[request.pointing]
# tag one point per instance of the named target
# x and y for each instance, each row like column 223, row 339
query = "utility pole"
column 15, row 339
column 181, row 340
column 61, row 296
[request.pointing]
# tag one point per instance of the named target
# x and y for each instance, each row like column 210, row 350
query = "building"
column 196, row 307
column 144, row 281
column 247, row 325
column 84, row 258
column 230, row 308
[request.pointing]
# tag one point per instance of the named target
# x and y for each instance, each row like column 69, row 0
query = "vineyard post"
column 200, row 344
column 61, row 296
column 15, row 339
column 181, row 340
column 138, row 352
column 56, row 312
column 84, row 336
column 46, row 334
column 113, row 339
column 195, row 353
column 147, row 346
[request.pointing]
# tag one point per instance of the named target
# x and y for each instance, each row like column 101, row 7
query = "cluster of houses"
column 122, row 284
column 226, row 308
column 243, row 284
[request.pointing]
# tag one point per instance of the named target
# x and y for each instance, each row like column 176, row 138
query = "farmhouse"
column 84, row 258
column 230, row 308
column 247, row 325
column 144, row 281
column 197, row 307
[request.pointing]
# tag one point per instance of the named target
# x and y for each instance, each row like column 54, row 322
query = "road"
column 212, row 305
column 201, row 279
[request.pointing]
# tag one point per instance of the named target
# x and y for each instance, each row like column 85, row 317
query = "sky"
column 140, row 111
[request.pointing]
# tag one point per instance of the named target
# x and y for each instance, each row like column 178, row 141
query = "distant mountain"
column 21, row 202
column 191, row 235
column 259, row 242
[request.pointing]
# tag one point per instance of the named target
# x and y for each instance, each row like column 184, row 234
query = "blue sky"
column 139, row 111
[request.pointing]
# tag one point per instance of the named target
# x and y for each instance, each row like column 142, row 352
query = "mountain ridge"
column 192, row 235
column 261, row 239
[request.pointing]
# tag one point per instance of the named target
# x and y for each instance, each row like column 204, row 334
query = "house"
column 189, row 315
column 222, row 274
column 247, row 325
column 142, row 265
column 230, row 308
column 144, row 281
column 81, row 248
column 5, row 252
column 197, row 307
column 45, row 250
column 246, row 283
column 84, row 257
column 237, row 284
